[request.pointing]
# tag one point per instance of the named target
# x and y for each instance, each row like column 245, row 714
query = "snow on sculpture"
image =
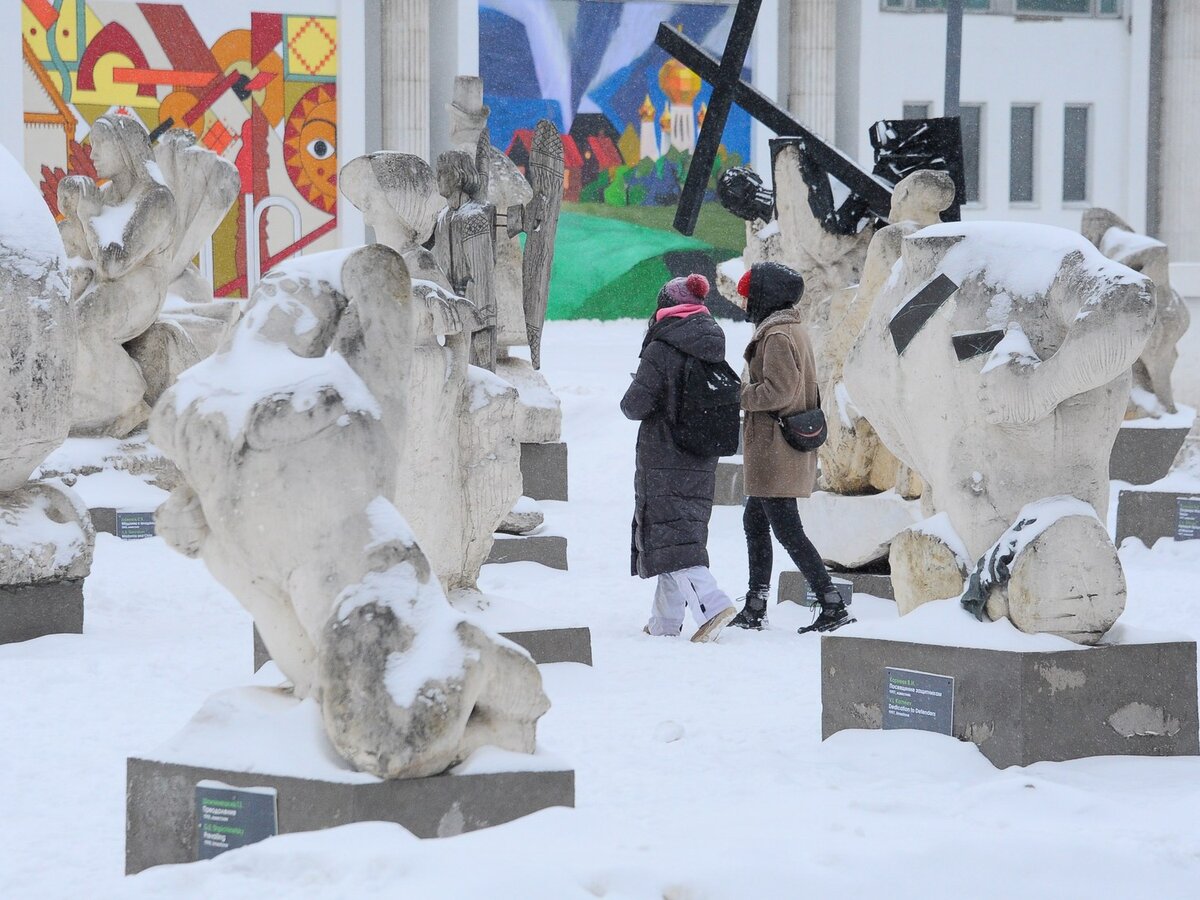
column 132, row 240
column 45, row 530
column 996, row 361
column 1152, row 395
column 291, row 439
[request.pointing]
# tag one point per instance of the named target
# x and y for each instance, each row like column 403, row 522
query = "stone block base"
column 1149, row 515
column 794, row 587
column 545, row 645
column 548, row 550
column 730, row 491
column 29, row 611
column 1144, row 455
column 1022, row 707
column 544, row 471
column 161, row 827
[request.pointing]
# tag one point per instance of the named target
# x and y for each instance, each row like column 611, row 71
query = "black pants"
column 761, row 516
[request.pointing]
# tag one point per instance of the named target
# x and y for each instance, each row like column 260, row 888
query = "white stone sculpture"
column 45, row 531
column 1152, row 394
column 132, row 241
column 1006, row 394
column 291, row 439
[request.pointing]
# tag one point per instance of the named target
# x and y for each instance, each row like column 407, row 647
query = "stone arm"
column 649, row 389
column 1104, row 338
column 149, row 229
column 782, row 381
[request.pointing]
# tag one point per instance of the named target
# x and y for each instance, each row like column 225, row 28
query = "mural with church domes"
column 630, row 116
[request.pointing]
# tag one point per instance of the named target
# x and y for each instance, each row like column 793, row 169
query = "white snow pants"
column 694, row 587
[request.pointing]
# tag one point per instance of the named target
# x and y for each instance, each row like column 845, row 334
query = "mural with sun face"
column 258, row 88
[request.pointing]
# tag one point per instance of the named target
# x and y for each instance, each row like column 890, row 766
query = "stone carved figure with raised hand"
column 1152, row 393
column 124, row 234
column 995, row 361
column 305, row 409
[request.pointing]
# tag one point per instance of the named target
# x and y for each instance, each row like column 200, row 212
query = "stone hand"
column 1014, row 394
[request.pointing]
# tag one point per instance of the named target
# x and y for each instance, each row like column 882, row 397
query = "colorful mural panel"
column 629, row 115
column 260, row 89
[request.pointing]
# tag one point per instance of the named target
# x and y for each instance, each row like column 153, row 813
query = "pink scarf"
column 682, row 311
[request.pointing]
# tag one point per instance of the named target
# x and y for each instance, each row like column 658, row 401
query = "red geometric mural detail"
column 179, row 39
column 217, row 139
column 266, row 33
column 112, row 38
column 46, row 14
column 329, row 39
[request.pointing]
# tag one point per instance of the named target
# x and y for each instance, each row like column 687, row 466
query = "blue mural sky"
column 556, row 59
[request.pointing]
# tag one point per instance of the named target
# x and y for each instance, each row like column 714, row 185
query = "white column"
column 812, row 81
column 1180, row 224
column 405, row 67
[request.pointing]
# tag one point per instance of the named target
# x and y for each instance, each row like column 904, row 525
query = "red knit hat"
column 744, row 285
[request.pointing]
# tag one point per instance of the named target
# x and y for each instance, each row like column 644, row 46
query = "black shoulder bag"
column 805, row 431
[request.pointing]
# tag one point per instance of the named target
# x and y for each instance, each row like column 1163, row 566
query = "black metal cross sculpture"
column 725, row 76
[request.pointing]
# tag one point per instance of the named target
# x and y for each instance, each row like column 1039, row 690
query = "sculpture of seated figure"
column 290, row 439
column 128, row 231
column 995, row 361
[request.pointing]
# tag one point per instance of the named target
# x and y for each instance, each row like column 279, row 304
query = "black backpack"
column 708, row 421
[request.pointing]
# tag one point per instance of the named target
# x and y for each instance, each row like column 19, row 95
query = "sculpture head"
column 398, row 196
column 120, row 144
column 457, row 177
column 921, row 197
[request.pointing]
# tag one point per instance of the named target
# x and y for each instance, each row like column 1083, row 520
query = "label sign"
column 1187, row 518
column 918, row 700
column 845, row 590
column 133, row 526
column 229, row 817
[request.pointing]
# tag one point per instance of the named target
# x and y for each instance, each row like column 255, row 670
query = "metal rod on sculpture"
column 954, row 23
column 734, row 58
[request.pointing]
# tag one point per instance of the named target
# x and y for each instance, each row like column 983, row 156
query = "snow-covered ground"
column 700, row 769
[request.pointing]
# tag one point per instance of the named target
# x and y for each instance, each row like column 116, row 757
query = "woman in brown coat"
column 782, row 381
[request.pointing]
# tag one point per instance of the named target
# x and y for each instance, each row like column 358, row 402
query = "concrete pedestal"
column 1021, row 707
column 544, row 471
column 31, row 611
column 1150, row 515
column 793, row 586
column 546, row 549
column 161, row 826
column 729, row 491
column 1144, row 455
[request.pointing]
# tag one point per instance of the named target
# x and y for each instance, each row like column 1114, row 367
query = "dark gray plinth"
column 160, row 823
column 544, row 471
column 1143, row 455
column 794, row 587
column 729, row 490
column 547, row 549
column 546, row 645
column 1025, row 707
column 31, row 611
column 105, row 521
column 1148, row 515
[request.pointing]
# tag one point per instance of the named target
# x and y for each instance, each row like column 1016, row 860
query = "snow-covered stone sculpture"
column 995, row 361
column 1152, row 395
column 45, row 531
column 291, row 439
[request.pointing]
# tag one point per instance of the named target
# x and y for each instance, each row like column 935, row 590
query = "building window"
column 1075, row 154
column 1021, row 154
column 1068, row 7
column 936, row 5
column 1094, row 8
column 916, row 110
column 971, row 121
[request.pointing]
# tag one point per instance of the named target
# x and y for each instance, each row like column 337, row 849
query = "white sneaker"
column 708, row 632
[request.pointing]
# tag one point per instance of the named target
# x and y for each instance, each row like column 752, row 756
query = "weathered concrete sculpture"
column 1152, row 394
column 45, row 532
column 996, row 361
column 124, row 234
column 291, row 439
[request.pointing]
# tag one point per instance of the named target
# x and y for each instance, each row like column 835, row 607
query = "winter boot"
column 754, row 613
column 833, row 614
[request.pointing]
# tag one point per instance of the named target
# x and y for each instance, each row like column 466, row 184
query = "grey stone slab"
column 107, row 520
column 29, row 611
column 793, row 586
column 729, row 491
column 160, row 824
column 546, row 549
column 104, row 519
column 545, row 645
column 1144, row 455
column 544, row 471
column 1025, row 707
column 1148, row 515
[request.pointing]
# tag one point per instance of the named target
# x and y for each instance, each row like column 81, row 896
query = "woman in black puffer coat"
column 673, row 490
